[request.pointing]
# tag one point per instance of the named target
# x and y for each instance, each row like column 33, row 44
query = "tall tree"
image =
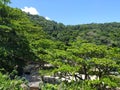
column 5, row 2
column 4, row 11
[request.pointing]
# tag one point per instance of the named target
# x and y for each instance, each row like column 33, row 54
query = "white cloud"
column 30, row 10
column 47, row 18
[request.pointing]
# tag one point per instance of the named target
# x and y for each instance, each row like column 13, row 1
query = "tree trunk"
column 85, row 72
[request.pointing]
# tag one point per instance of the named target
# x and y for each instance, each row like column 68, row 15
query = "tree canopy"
column 75, row 52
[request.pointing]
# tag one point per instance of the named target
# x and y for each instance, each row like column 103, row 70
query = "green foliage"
column 89, row 49
column 49, row 87
column 14, row 48
column 102, row 84
column 15, row 33
column 4, row 1
column 7, row 84
column 105, row 34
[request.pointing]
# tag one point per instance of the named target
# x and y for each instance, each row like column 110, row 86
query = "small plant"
column 7, row 84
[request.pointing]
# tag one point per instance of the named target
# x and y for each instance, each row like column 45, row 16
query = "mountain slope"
column 107, row 33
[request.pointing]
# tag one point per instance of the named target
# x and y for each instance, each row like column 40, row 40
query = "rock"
column 118, row 88
column 34, row 88
column 50, row 79
column 48, row 66
column 31, row 74
column 25, row 87
column 34, row 85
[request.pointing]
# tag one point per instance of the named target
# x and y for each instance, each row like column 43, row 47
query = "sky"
column 72, row 12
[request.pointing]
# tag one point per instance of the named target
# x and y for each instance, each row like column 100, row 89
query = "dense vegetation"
column 73, row 50
column 107, row 33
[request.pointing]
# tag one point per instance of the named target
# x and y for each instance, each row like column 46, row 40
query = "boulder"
column 25, row 87
column 34, row 85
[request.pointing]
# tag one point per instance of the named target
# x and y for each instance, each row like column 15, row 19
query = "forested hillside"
column 106, row 33
column 77, row 53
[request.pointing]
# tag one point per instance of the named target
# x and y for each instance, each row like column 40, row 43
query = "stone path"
column 31, row 74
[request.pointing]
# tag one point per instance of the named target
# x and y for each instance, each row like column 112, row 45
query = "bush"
column 7, row 84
